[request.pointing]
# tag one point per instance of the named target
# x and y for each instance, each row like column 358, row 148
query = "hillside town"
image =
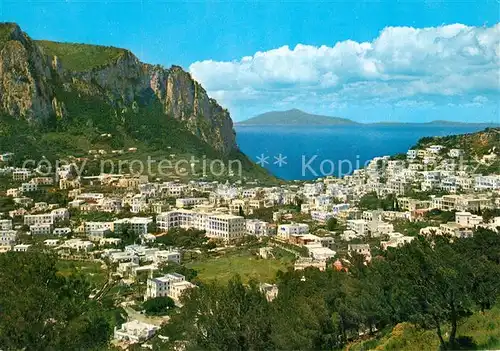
column 150, row 239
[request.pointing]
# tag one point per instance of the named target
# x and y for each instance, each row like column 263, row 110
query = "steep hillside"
column 40, row 79
column 474, row 144
column 294, row 117
column 60, row 98
column 480, row 331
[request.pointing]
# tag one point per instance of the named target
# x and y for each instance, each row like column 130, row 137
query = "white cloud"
column 403, row 63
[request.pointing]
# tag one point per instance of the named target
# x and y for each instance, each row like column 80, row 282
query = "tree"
column 332, row 224
column 436, row 284
column 369, row 201
column 42, row 310
column 159, row 305
column 228, row 317
column 240, row 211
column 128, row 235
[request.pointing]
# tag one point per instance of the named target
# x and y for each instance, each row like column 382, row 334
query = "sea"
column 311, row 152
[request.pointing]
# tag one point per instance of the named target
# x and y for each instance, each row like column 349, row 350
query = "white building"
column 411, row 154
column 20, row 175
column 491, row 182
column 216, row 225
column 454, row 153
column 78, row 245
column 190, row 202
column 8, row 237
column 467, row 219
column 137, row 224
column 167, row 256
column 286, row 230
column 5, row 224
column 51, row 242
column 21, row 248
column 359, row 226
column 135, row 331
column 156, row 287
column 360, row 249
column 98, row 228
column 321, row 216
column 28, row 187
column 319, row 252
column 396, row 241
column 179, row 288
column 45, row 218
column 435, row 149
column 61, row 231
column 41, row 229
column 257, row 227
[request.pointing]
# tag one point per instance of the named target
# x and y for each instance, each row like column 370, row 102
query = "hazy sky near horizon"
column 364, row 60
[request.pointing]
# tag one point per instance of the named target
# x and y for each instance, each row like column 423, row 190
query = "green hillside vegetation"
column 247, row 266
column 482, row 329
column 145, row 128
column 295, row 117
column 474, row 144
column 435, row 292
column 6, row 30
column 81, row 57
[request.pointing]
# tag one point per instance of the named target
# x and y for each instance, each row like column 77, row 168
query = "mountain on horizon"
column 299, row 117
column 295, row 117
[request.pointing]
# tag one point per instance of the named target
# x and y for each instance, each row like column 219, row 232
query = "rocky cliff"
column 37, row 76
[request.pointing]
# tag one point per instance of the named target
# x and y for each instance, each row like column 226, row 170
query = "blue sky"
column 345, row 64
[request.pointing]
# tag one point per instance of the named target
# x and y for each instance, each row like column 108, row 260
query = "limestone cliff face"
column 24, row 74
column 31, row 76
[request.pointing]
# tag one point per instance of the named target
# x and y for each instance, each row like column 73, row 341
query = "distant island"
column 299, row 117
column 295, row 117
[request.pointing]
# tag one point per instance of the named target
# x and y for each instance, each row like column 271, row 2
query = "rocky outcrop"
column 24, row 74
column 31, row 78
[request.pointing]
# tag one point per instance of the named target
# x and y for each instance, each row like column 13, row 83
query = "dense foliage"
column 158, row 306
column 433, row 283
column 42, row 310
column 184, row 238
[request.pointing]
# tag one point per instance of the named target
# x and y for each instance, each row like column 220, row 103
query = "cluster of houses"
column 220, row 210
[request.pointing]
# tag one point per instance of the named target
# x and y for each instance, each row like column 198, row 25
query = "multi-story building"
column 190, row 202
column 41, row 229
column 411, row 154
column 5, row 224
column 8, row 237
column 454, row 229
column 158, row 287
column 45, row 218
column 454, row 153
column 360, row 249
column 167, row 255
column 321, row 216
column 14, row 192
column 20, row 175
column 490, row 182
column 42, row 181
column 359, row 226
column 467, row 219
column 98, row 229
column 286, row 230
column 257, row 227
column 28, row 187
column 225, row 226
column 216, row 225
column 21, row 248
column 137, row 224
column 179, row 288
